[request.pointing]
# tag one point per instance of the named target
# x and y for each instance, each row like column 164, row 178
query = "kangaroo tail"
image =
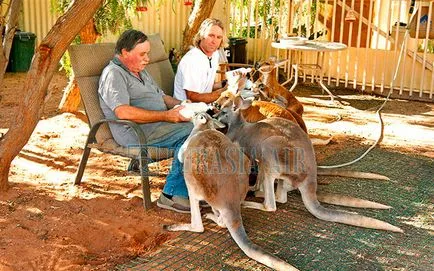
column 350, row 173
column 342, row 200
column 311, row 202
column 236, row 229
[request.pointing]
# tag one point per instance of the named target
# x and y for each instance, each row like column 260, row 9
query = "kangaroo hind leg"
column 196, row 224
column 269, row 203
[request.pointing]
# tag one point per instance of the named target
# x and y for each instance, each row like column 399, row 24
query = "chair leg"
column 82, row 165
column 144, row 172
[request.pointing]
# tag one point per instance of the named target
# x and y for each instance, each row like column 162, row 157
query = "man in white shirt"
column 195, row 77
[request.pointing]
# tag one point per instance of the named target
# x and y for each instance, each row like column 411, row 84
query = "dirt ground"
column 47, row 223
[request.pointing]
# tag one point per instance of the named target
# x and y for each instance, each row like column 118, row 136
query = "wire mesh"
column 294, row 235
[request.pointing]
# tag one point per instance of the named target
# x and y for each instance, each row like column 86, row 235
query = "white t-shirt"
column 196, row 72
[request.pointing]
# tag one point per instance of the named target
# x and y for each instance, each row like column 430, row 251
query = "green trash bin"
column 22, row 51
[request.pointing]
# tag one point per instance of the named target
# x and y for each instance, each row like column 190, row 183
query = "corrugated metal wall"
column 167, row 20
column 37, row 17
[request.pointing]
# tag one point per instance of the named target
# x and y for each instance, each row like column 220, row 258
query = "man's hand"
column 205, row 97
column 175, row 116
column 220, row 90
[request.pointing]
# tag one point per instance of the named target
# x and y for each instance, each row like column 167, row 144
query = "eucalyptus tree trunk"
column 8, row 36
column 202, row 9
column 71, row 94
column 41, row 71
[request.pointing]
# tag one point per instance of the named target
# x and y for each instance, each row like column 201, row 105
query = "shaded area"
column 311, row 244
column 368, row 101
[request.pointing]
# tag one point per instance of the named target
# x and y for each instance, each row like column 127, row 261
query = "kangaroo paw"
column 320, row 142
column 216, row 219
column 259, row 194
column 183, row 227
column 257, row 205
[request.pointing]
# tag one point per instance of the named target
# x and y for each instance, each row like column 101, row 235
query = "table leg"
column 286, row 82
column 321, row 75
column 295, row 66
column 327, row 90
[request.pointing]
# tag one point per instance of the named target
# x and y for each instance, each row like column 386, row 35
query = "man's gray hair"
column 204, row 29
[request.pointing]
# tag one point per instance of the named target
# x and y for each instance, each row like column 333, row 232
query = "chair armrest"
column 140, row 135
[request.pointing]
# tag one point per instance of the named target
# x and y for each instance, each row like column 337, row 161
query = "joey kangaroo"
column 216, row 170
column 290, row 159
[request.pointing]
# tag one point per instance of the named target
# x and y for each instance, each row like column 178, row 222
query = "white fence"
column 372, row 29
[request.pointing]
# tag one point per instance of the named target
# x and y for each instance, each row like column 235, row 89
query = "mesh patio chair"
column 88, row 61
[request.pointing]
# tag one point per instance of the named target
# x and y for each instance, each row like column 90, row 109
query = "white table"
column 320, row 47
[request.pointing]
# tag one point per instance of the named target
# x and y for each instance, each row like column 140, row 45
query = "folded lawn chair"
column 88, row 61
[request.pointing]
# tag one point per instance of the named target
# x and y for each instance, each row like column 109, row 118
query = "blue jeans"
column 172, row 136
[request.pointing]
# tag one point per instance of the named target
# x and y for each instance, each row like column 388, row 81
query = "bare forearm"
column 140, row 115
column 204, row 97
column 170, row 101
column 218, row 85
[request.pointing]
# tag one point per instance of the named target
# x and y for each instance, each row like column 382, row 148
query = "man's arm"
column 218, row 85
column 204, row 97
column 139, row 115
column 170, row 101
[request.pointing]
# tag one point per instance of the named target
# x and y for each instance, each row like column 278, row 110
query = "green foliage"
column 266, row 13
column 263, row 10
column 113, row 16
column 303, row 14
column 429, row 47
column 65, row 62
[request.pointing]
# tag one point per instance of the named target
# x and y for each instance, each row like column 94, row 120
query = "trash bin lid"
column 236, row 41
column 24, row 35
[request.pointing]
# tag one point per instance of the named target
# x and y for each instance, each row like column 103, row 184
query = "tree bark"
column 41, row 71
column 202, row 9
column 8, row 36
column 71, row 95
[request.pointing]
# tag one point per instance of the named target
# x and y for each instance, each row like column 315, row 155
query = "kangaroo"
column 279, row 117
column 272, row 89
column 260, row 110
column 290, row 159
column 216, row 170
column 285, row 128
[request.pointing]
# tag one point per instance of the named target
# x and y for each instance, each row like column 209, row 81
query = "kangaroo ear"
column 199, row 118
column 281, row 99
column 239, row 103
column 217, row 124
column 246, row 104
